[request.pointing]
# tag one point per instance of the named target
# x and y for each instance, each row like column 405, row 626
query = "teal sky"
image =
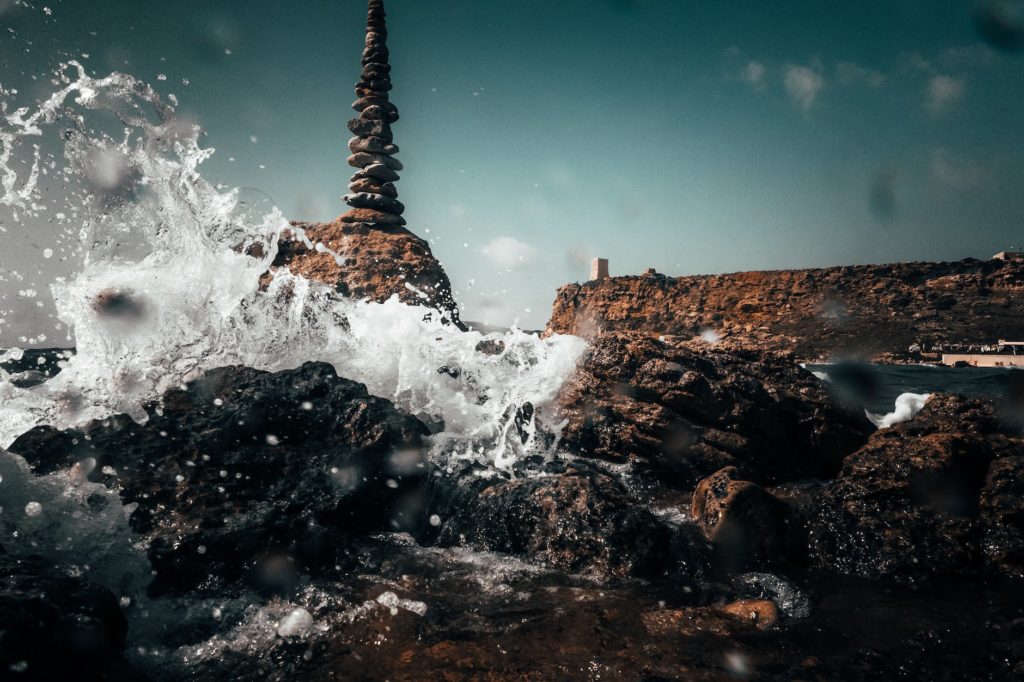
column 693, row 137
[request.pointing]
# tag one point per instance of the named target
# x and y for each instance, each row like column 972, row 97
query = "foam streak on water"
column 169, row 286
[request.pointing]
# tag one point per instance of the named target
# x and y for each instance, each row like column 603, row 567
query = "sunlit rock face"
column 865, row 310
column 928, row 497
column 377, row 263
column 241, row 468
column 681, row 411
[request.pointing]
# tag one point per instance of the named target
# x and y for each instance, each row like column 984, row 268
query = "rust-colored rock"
column 868, row 310
column 371, row 217
column 760, row 612
column 380, row 263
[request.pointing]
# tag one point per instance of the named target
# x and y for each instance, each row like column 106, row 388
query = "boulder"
column 243, row 472
column 579, row 518
column 745, row 524
column 924, row 497
column 54, row 625
column 681, row 411
column 379, row 264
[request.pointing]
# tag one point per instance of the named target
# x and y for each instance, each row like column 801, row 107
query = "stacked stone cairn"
column 373, row 197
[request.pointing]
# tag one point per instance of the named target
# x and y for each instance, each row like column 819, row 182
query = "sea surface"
column 876, row 387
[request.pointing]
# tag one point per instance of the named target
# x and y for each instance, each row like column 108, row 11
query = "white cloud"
column 508, row 252
column 849, row 74
column 943, row 93
column 962, row 174
column 803, row 84
column 753, row 74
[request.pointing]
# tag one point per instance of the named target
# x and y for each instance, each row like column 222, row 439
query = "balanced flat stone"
column 375, row 145
column 376, row 113
column 370, row 128
column 371, row 186
column 377, row 171
column 365, row 159
column 377, row 202
column 364, row 102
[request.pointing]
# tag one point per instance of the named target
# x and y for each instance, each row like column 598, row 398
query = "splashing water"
column 169, row 286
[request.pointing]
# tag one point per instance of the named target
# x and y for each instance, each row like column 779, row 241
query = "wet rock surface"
column 282, row 568
column 680, row 412
column 244, row 474
column 56, row 625
column 865, row 310
column 924, row 497
column 577, row 518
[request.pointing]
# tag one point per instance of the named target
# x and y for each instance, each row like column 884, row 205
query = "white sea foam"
column 907, row 405
column 169, row 286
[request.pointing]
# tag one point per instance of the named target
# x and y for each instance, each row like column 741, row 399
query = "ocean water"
column 877, row 388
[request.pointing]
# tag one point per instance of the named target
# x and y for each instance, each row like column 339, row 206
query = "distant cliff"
column 877, row 311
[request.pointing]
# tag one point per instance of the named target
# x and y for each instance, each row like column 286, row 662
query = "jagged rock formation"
column 937, row 495
column 241, row 467
column 869, row 310
column 681, row 411
column 373, row 197
column 379, row 263
column 578, row 518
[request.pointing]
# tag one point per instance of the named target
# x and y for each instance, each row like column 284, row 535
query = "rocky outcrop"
column 932, row 496
column 54, row 625
column 246, row 474
column 378, row 263
column 681, row 411
column 575, row 518
column 863, row 310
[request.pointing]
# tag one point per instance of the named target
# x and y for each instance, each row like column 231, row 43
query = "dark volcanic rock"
column 54, row 626
column 683, row 411
column 1002, row 515
column 745, row 524
column 908, row 504
column 869, row 310
column 578, row 519
column 243, row 469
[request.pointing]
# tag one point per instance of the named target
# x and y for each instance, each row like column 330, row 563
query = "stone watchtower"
column 373, row 197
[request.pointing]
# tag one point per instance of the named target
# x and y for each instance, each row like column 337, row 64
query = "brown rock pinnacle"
column 374, row 200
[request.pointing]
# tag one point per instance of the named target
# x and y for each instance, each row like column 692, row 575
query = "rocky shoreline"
column 707, row 514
